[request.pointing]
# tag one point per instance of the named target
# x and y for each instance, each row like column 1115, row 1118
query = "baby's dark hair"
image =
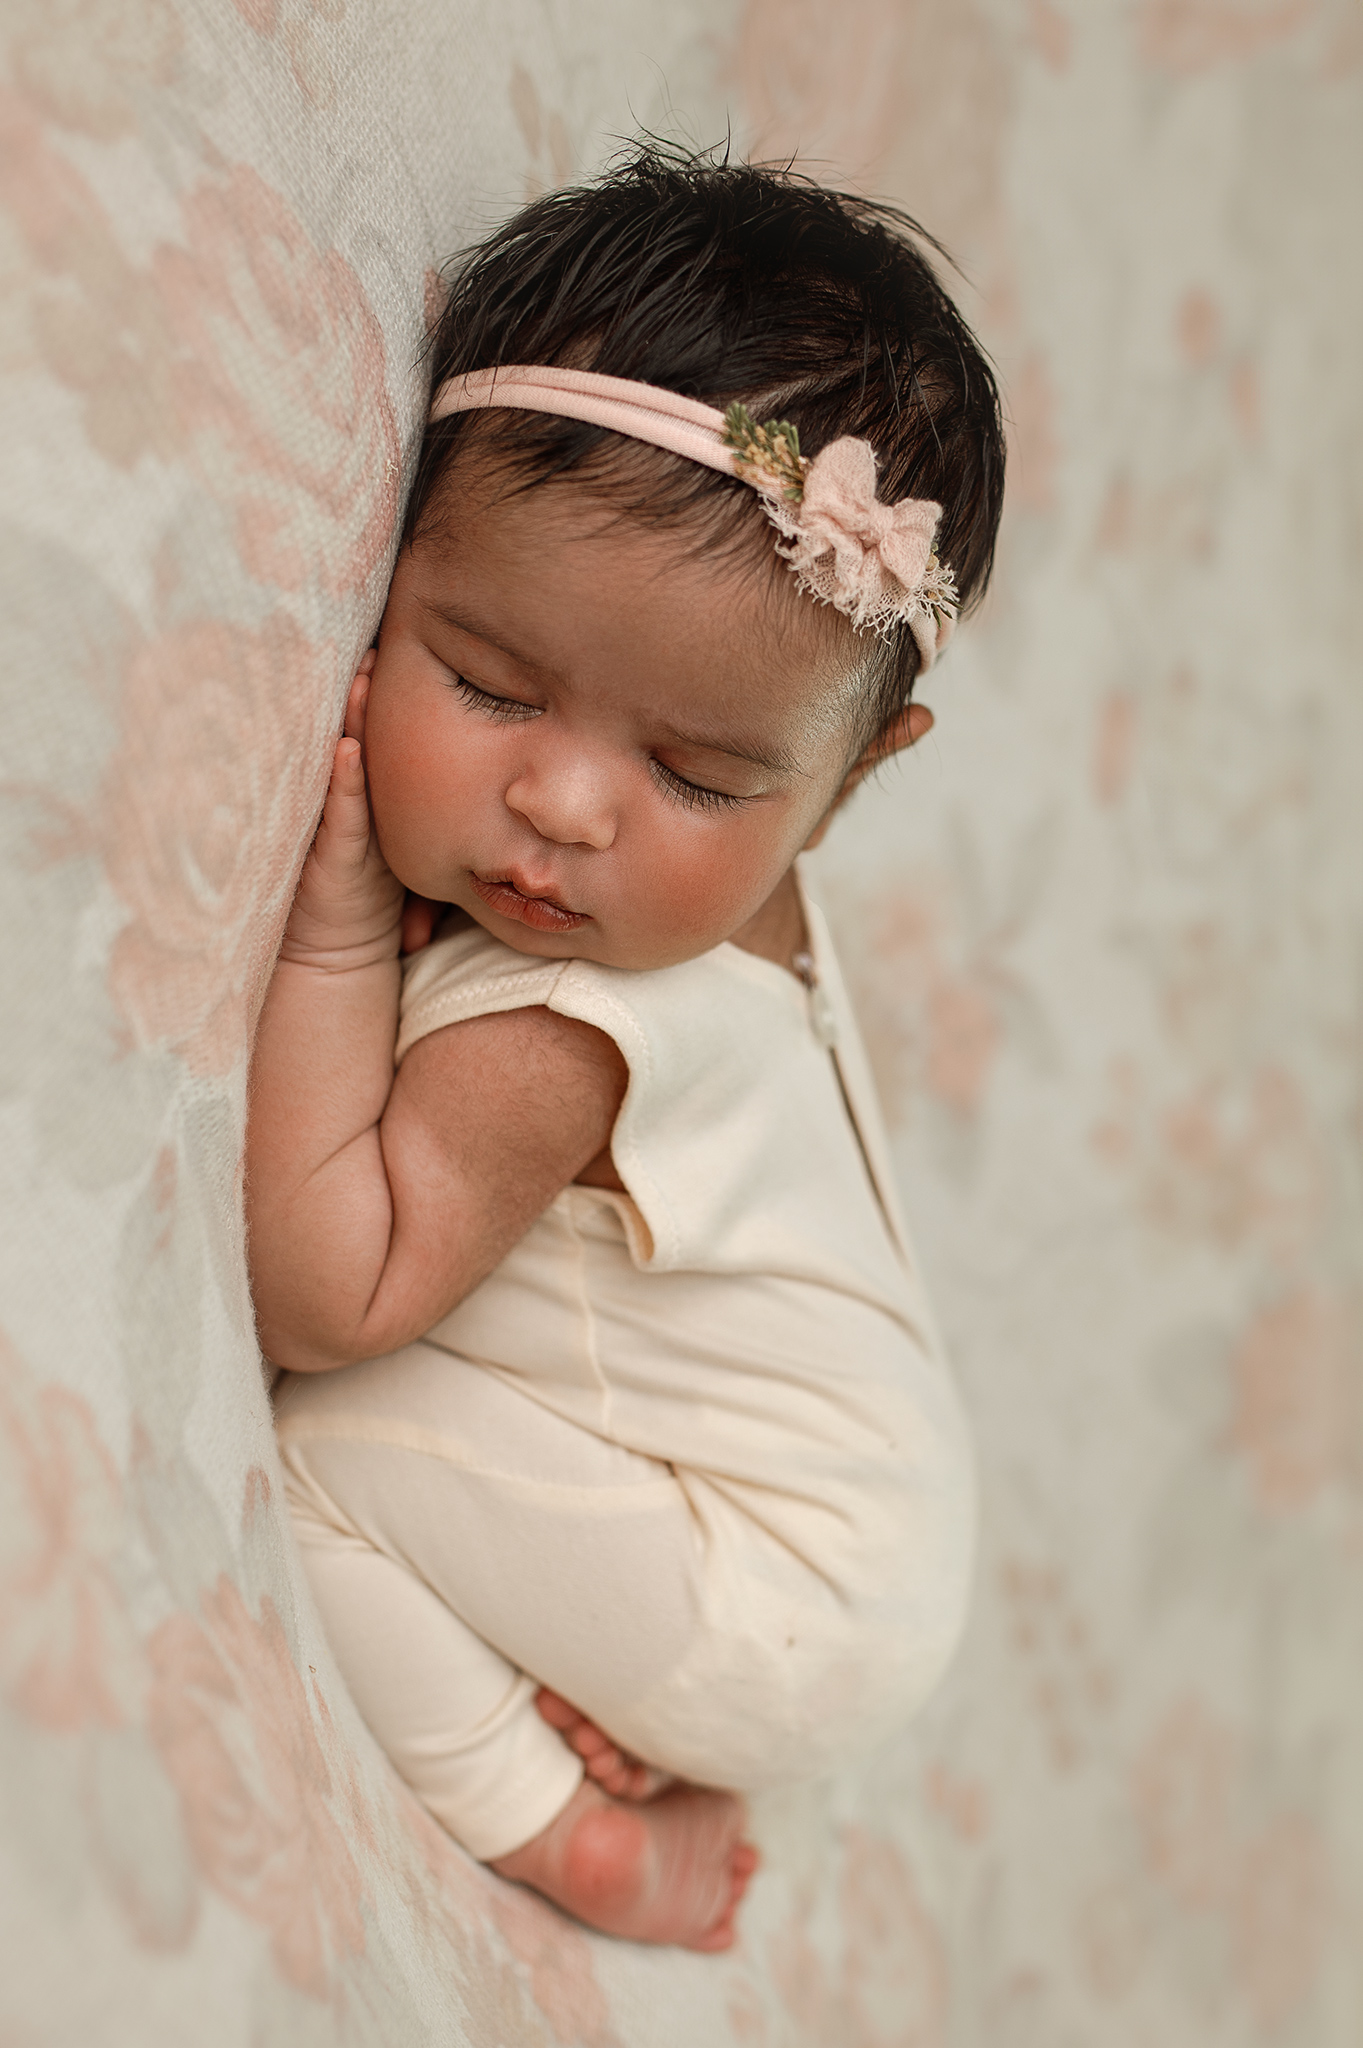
column 725, row 280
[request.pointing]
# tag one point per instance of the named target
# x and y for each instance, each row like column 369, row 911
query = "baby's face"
column 599, row 747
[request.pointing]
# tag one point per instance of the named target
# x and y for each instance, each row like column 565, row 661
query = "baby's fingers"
column 357, row 703
column 348, row 907
column 343, row 835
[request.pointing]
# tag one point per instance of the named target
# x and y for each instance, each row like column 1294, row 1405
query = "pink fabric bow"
column 874, row 562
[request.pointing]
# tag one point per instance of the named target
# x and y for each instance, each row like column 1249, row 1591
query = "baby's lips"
column 540, row 912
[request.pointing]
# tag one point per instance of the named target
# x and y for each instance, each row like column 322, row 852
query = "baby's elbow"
column 401, row 1313
column 313, row 1340
column 298, row 1361
column 325, row 1332
column 310, row 1352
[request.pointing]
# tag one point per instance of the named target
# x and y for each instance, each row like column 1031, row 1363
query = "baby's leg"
column 456, row 1718
column 459, row 1723
column 575, row 1559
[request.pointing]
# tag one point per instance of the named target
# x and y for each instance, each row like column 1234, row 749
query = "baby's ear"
column 914, row 723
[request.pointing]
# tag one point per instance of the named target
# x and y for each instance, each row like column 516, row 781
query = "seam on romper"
column 589, row 1321
column 359, row 1428
column 525, row 989
column 847, row 1053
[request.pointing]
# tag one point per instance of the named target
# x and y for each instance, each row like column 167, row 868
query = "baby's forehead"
column 579, row 538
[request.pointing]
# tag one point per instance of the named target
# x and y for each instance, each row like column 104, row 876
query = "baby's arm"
column 376, row 1201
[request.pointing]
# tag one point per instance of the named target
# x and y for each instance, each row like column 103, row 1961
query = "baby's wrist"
column 341, row 959
column 340, row 946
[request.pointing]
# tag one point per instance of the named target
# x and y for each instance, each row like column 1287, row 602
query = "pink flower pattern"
column 281, row 388
column 69, row 1657
column 206, row 806
column 233, row 1720
column 87, row 62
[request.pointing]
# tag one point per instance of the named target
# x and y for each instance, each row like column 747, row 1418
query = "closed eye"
column 694, row 795
column 504, row 709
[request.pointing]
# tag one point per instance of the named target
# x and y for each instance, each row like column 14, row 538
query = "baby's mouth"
column 541, row 913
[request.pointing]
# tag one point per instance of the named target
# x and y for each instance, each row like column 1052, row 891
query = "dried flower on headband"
column 767, row 457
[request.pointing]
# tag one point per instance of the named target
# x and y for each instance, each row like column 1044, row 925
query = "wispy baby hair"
column 729, row 281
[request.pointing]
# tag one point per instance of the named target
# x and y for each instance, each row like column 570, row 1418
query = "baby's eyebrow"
column 776, row 759
column 476, row 630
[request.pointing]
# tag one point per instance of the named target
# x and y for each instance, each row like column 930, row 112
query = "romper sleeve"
column 467, row 973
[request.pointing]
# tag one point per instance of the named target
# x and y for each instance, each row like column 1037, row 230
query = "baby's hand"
column 348, row 910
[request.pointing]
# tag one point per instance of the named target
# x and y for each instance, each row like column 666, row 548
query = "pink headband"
column 873, row 562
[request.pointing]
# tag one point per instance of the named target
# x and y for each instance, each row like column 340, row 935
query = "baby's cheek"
column 396, row 806
column 700, row 893
column 421, row 787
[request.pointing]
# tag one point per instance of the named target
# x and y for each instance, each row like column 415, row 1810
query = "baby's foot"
column 613, row 1768
column 672, row 1870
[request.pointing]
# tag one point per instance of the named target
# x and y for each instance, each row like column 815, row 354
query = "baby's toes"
column 742, row 1865
column 647, row 1782
column 612, row 1767
column 605, row 1761
column 591, row 1745
column 556, row 1711
column 608, row 1766
column 742, row 1878
column 614, row 1774
column 720, row 1936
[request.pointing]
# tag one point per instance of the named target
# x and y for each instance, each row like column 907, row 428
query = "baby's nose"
column 568, row 804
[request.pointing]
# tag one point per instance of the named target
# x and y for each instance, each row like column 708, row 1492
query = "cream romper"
column 690, row 1456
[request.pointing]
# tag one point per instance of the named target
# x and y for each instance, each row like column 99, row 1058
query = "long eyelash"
column 692, row 794
column 505, row 709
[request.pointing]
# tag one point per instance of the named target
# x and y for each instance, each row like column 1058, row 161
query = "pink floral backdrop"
column 1103, row 928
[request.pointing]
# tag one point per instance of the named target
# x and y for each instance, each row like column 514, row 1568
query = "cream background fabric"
column 1103, row 929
